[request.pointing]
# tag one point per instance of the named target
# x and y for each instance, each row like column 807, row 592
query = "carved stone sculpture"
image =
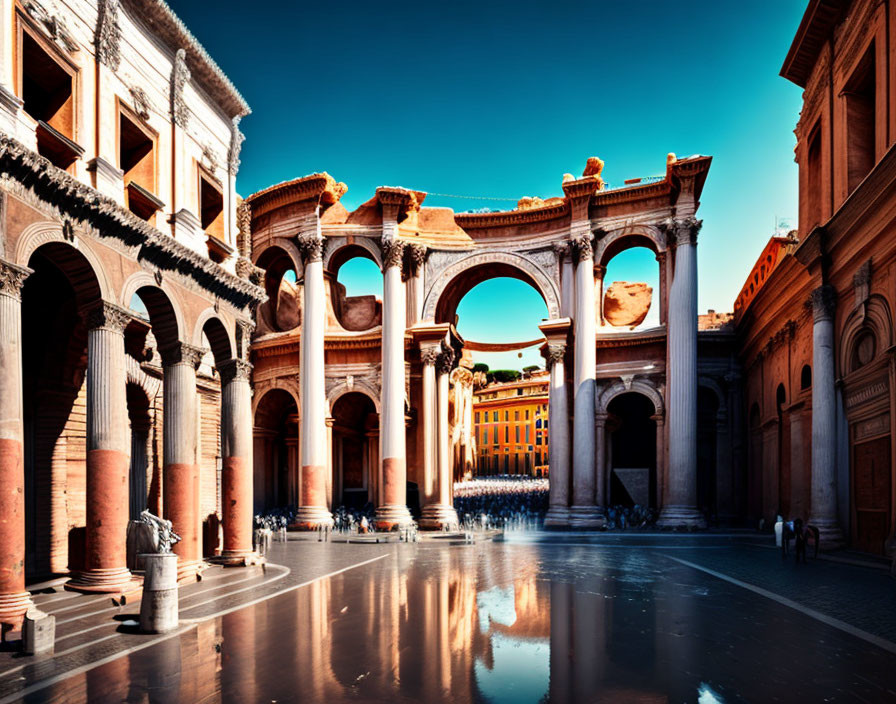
column 165, row 536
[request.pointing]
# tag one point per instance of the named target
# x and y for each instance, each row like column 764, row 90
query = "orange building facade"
column 510, row 422
column 815, row 319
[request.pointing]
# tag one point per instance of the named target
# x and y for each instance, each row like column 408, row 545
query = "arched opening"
column 54, row 364
column 283, row 309
column 754, row 463
column 139, row 476
column 355, row 291
column 631, row 294
column 707, row 450
column 631, row 436
column 499, row 404
column 276, row 459
column 355, row 449
column 806, row 378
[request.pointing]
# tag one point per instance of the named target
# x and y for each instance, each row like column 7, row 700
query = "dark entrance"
column 632, row 465
column 871, row 494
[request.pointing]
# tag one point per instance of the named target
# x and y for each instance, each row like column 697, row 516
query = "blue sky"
column 499, row 99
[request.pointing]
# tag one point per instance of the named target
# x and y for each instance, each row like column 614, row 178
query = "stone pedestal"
column 158, row 609
column 38, row 633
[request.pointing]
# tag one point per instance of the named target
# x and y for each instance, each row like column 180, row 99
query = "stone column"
column 108, row 453
column 823, row 508
column 660, row 486
column 558, row 438
column 680, row 506
column 236, row 460
column 441, row 514
column 313, row 510
column 329, row 475
column 14, row 598
column 567, row 284
column 584, row 513
column 180, row 482
column 393, row 512
column 416, row 258
column 599, row 272
column 429, row 355
column 600, row 459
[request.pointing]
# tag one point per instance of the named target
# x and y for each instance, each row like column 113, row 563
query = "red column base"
column 12, row 612
column 114, row 580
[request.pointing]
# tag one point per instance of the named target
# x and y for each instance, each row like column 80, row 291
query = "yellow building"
column 511, row 426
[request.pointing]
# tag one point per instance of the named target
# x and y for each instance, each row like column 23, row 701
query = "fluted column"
column 440, row 514
column 823, row 510
column 415, row 260
column 236, row 460
column 599, row 273
column 14, row 598
column 428, row 412
column 393, row 511
column 180, row 453
column 558, row 438
column 108, row 453
column 313, row 511
column 600, row 458
column 584, row 513
column 680, row 506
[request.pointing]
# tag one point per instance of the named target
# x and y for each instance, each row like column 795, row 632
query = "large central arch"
column 453, row 282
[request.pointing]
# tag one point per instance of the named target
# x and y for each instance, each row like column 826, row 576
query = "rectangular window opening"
column 860, row 96
column 137, row 159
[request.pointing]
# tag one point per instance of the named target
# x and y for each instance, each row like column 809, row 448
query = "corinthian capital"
column 416, row 257
column 554, row 353
column 445, row 360
column 182, row 353
column 12, row 278
column 311, row 247
column 581, row 247
column 235, row 370
column 393, row 251
column 430, row 355
column 107, row 316
column 823, row 301
column 683, row 230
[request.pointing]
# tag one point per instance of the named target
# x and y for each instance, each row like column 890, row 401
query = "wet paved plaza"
column 634, row 619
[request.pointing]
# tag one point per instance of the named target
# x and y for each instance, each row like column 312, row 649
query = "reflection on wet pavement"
column 502, row 623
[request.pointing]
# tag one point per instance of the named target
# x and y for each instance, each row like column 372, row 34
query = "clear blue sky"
column 501, row 98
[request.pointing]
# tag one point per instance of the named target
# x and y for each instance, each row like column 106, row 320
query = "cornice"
column 51, row 185
column 321, row 188
column 511, row 217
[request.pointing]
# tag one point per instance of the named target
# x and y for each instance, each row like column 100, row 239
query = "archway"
column 632, row 451
column 276, row 452
column 54, row 363
column 140, row 420
column 283, row 309
column 355, row 288
column 707, row 451
column 630, row 294
column 354, row 449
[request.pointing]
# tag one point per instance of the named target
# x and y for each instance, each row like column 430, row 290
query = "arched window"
column 863, row 351
column 806, row 377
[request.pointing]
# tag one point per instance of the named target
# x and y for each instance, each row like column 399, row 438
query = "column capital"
column 393, row 252
column 234, row 370
column 416, row 257
column 12, row 278
column 561, row 249
column 553, row 353
column 445, row 360
column 107, row 316
column 312, row 247
column 581, row 247
column 682, row 231
column 182, row 353
column 429, row 354
column 823, row 301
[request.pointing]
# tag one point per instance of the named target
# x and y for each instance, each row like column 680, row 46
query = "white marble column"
column 599, row 272
column 558, row 438
column 567, row 279
column 15, row 600
column 600, row 459
column 393, row 512
column 680, row 505
column 429, row 354
column 415, row 260
column 236, row 461
column 584, row 513
column 108, row 453
column 441, row 514
column 823, row 509
column 313, row 511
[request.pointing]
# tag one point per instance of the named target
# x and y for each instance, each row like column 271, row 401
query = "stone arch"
column 149, row 384
column 165, row 315
column 874, row 317
column 50, row 237
column 640, row 386
column 263, row 388
column 341, row 249
column 288, row 247
column 276, row 259
column 627, row 237
column 714, row 386
column 210, row 324
column 453, row 282
column 139, row 282
column 361, row 386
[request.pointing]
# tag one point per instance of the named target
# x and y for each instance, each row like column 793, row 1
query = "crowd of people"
column 502, row 501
